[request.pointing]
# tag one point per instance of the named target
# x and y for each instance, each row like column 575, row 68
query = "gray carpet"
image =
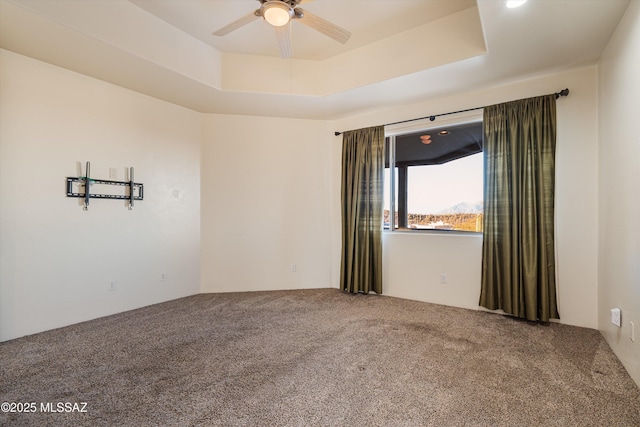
column 316, row 358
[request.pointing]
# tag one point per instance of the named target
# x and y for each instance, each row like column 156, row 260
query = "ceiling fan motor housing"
column 292, row 3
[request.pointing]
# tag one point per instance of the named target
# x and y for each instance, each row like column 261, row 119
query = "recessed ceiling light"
column 426, row 139
column 444, row 132
column 515, row 3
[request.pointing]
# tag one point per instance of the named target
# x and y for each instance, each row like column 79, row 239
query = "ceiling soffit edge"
column 446, row 40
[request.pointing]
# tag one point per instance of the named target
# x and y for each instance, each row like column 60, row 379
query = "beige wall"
column 619, row 201
column 57, row 261
column 413, row 263
column 265, row 204
column 270, row 197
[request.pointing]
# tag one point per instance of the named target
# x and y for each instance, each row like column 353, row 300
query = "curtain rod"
column 563, row 92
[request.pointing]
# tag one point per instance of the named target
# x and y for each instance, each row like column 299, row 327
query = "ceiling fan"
column 279, row 13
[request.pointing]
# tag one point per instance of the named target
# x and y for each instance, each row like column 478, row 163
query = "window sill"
column 432, row 232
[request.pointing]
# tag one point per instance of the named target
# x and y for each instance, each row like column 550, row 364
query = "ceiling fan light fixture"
column 277, row 13
column 515, row 3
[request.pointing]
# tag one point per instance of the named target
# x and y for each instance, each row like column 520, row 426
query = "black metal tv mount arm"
column 136, row 190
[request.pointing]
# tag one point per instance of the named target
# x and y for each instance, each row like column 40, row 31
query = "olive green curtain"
column 518, row 255
column 362, row 194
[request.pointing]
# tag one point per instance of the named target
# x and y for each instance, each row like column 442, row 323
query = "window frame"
column 419, row 126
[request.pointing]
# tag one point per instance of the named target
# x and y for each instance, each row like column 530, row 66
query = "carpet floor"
column 313, row 358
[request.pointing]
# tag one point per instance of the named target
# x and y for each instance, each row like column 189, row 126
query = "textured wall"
column 57, row 261
column 619, row 171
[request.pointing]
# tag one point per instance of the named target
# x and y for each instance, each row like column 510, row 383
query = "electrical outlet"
column 443, row 278
column 163, row 276
column 616, row 317
column 294, row 268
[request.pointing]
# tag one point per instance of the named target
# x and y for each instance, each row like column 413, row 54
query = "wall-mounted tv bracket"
column 81, row 187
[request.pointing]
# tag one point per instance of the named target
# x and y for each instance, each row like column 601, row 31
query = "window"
column 437, row 179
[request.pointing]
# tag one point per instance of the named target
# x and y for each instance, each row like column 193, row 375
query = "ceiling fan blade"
column 284, row 40
column 325, row 27
column 240, row 22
